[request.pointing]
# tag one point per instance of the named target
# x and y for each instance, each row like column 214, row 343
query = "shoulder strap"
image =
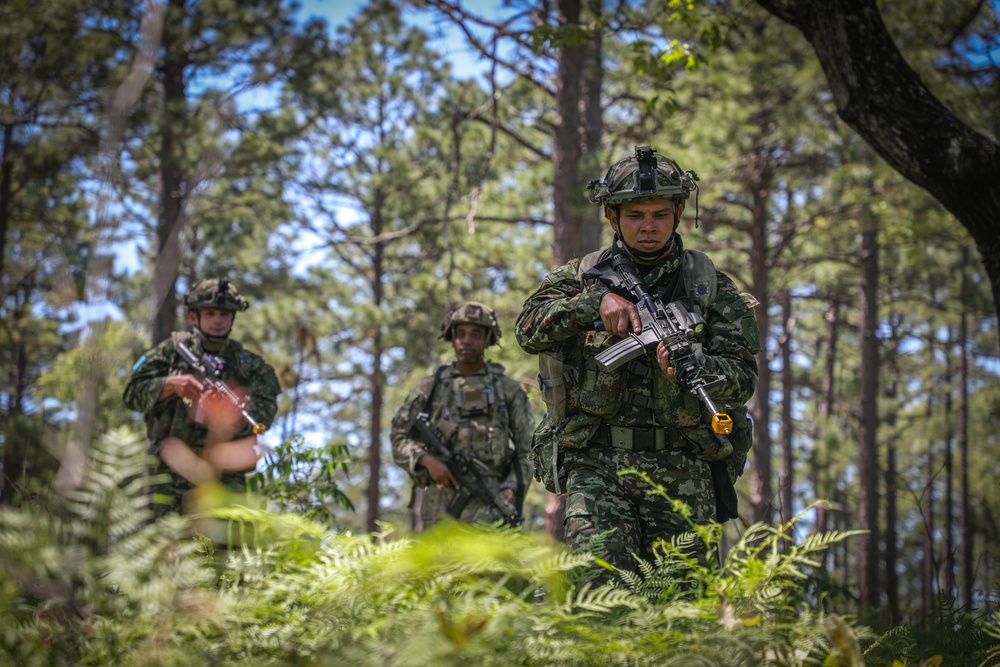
column 496, row 381
column 434, row 385
column 700, row 279
column 589, row 261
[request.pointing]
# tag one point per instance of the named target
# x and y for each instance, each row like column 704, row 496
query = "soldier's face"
column 212, row 321
column 469, row 341
column 645, row 225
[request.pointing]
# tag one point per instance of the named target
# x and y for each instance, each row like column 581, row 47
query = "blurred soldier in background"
column 198, row 433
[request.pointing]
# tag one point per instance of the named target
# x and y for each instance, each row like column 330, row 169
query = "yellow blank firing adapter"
column 722, row 423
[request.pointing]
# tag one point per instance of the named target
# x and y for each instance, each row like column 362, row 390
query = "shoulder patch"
column 749, row 299
column 138, row 364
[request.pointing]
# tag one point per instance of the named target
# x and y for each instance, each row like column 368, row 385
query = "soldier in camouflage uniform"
column 636, row 417
column 472, row 404
column 199, row 436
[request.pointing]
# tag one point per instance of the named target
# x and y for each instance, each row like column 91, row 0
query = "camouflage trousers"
column 613, row 516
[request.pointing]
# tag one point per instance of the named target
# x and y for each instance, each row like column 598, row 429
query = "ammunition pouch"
column 554, row 378
column 741, row 439
column 601, row 390
column 548, row 443
column 548, row 462
column 705, row 444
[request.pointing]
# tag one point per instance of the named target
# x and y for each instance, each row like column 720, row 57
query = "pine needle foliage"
column 95, row 582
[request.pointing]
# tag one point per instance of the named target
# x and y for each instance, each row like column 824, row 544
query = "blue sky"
column 464, row 62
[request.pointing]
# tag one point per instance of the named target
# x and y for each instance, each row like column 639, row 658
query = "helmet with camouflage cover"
column 216, row 293
column 471, row 313
column 642, row 176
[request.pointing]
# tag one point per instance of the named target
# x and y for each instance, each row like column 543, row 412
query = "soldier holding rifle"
column 464, row 432
column 204, row 396
column 646, row 357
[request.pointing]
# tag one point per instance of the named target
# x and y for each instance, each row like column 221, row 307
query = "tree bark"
column 825, row 483
column 787, row 383
column 575, row 160
column 868, row 553
column 761, row 493
column 882, row 98
column 964, row 519
column 577, row 228
column 891, row 481
column 948, row 559
column 170, row 221
column 927, row 510
column 376, row 382
column 891, row 551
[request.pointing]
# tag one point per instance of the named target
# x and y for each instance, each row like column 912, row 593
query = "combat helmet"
column 216, row 293
column 472, row 313
column 642, row 176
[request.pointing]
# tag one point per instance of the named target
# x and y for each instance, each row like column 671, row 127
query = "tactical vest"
column 572, row 383
column 471, row 411
column 578, row 397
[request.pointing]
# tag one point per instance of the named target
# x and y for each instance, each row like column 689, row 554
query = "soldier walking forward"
column 637, row 415
column 479, row 415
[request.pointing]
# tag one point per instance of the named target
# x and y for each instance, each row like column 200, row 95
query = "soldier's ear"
column 609, row 213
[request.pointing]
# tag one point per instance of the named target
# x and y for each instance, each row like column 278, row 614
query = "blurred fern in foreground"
column 92, row 582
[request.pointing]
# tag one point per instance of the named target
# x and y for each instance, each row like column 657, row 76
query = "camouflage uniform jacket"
column 558, row 318
column 172, row 416
column 496, row 428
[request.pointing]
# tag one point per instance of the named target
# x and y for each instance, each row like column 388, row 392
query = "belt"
column 648, row 439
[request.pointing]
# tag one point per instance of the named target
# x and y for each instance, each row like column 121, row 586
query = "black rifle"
column 674, row 325
column 209, row 374
column 467, row 471
column 680, row 330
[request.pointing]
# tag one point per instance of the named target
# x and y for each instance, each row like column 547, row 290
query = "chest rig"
column 636, row 394
column 471, row 411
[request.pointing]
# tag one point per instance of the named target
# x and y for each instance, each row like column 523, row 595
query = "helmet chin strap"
column 642, row 257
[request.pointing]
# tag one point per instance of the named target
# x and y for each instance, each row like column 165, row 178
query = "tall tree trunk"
column 575, row 232
column 575, row 160
column 948, row 561
column 824, row 479
column 891, row 577
column 964, row 520
column 787, row 383
column 170, row 221
column 891, row 484
column 927, row 510
column 9, row 452
column 6, row 173
column 830, row 363
column 376, row 381
column 761, row 494
column 867, row 432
